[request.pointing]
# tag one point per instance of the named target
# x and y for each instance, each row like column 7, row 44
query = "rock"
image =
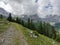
column 31, row 33
column 34, row 36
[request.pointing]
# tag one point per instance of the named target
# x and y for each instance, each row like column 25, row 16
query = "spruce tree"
column 10, row 17
column 47, row 29
column 17, row 19
column 32, row 26
column 44, row 28
column 22, row 22
column 40, row 27
column 28, row 23
column 53, row 33
column 1, row 16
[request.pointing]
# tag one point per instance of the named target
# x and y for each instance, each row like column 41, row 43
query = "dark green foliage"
column 22, row 22
column 44, row 28
column 1, row 16
column 47, row 30
column 17, row 20
column 58, row 38
column 32, row 25
column 29, row 23
column 41, row 27
column 53, row 33
column 10, row 17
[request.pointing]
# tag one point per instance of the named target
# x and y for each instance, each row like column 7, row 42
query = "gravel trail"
column 12, row 37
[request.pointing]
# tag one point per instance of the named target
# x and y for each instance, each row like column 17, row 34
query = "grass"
column 16, row 41
column 40, row 40
column 4, row 24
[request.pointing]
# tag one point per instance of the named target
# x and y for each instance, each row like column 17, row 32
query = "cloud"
column 47, row 11
column 30, row 7
column 7, row 7
column 56, row 4
column 27, row 7
column 17, row 7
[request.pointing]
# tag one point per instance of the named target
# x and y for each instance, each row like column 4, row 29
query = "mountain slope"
column 4, row 24
column 9, row 35
column 39, row 40
column 4, row 12
column 34, row 17
column 52, row 18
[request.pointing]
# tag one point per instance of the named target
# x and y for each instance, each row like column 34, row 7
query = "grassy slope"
column 41, row 40
column 4, row 24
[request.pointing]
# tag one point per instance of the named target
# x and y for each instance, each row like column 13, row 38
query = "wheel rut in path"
column 12, row 37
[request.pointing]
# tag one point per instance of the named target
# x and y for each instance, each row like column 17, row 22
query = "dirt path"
column 12, row 37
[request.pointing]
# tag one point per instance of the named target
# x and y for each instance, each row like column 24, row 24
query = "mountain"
column 4, row 12
column 34, row 17
column 52, row 19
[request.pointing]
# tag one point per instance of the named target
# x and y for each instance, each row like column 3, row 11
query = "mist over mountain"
column 4, row 12
column 50, row 18
column 34, row 18
column 54, row 18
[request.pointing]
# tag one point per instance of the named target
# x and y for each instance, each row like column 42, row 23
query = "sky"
column 31, row 7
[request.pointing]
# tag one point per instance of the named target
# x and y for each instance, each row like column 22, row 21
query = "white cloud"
column 56, row 4
column 17, row 7
column 24, row 6
column 46, row 11
column 31, row 7
column 6, row 7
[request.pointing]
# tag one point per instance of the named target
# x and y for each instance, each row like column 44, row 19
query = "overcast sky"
column 30, row 7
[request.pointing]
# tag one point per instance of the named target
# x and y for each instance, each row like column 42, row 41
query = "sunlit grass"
column 40, row 40
column 4, row 24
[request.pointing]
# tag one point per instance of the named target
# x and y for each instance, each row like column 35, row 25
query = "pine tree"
column 47, row 29
column 1, row 16
column 32, row 26
column 44, row 28
column 17, row 20
column 22, row 22
column 10, row 17
column 28, row 23
column 53, row 33
column 40, row 27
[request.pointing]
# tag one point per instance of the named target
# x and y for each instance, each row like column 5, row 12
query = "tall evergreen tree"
column 17, row 19
column 44, row 28
column 10, row 17
column 40, row 27
column 47, row 29
column 22, row 22
column 32, row 25
column 29, row 23
column 53, row 33
column 1, row 16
